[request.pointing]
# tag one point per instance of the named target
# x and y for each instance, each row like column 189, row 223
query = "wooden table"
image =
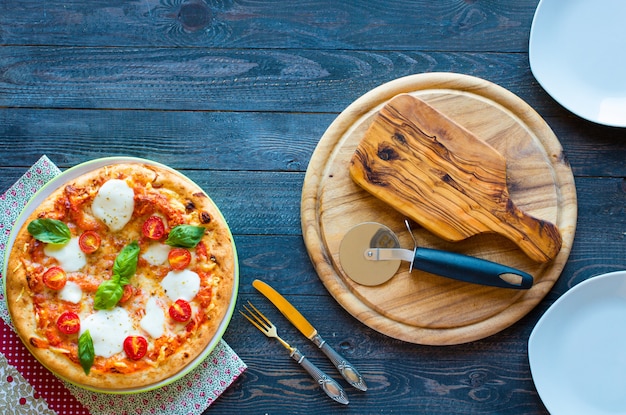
column 236, row 95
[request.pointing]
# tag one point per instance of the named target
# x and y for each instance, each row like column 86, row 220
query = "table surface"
column 236, row 94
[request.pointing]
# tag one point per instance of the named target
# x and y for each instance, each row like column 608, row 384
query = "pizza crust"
column 186, row 203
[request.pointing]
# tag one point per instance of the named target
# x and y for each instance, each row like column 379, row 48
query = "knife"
column 344, row 367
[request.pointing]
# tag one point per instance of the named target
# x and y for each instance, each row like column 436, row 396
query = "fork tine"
column 264, row 324
column 259, row 321
column 254, row 323
column 259, row 314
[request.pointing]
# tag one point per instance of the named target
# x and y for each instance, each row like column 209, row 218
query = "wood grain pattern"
column 366, row 25
column 300, row 80
column 238, row 102
column 424, row 308
column 445, row 178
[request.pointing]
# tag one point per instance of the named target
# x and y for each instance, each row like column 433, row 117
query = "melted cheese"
column 183, row 284
column 69, row 256
column 154, row 320
column 156, row 254
column 114, row 204
column 71, row 293
column 108, row 329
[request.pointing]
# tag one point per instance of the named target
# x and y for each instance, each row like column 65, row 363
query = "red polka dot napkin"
column 26, row 387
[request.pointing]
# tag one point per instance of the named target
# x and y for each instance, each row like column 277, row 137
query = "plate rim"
column 533, row 352
column 90, row 165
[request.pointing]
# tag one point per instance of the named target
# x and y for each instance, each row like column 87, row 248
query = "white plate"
column 72, row 174
column 577, row 53
column 577, row 350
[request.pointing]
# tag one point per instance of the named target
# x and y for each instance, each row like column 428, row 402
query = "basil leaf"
column 50, row 231
column 108, row 294
column 126, row 262
column 86, row 353
column 110, row 291
column 185, row 236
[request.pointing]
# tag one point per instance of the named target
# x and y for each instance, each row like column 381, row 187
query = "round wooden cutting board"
column 420, row 307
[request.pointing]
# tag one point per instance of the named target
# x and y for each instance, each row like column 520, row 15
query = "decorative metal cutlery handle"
column 328, row 384
column 344, row 367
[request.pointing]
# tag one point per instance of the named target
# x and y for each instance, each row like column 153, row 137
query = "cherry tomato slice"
column 89, row 242
column 179, row 258
column 135, row 347
column 127, row 293
column 55, row 278
column 153, row 228
column 68, row 323
column 180, row 310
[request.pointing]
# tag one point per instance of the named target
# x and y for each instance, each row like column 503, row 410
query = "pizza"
column 121, row 277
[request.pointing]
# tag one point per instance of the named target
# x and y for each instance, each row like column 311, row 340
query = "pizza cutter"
column 370, row 254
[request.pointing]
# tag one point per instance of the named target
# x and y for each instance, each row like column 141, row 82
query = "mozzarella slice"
column 71, row 293
column 108, row 330
column 69, row 256
column 153, row 322
column 114, row 204
column 183, row 284
column 156, row 254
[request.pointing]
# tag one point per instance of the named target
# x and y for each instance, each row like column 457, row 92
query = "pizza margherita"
column 121, row 277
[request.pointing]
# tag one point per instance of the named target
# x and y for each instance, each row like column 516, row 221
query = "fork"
column 328, row 385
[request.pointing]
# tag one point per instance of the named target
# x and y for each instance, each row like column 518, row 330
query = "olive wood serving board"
column 444, row 177
column 419, row 307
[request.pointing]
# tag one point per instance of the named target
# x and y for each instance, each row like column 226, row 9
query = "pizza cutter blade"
column 370, row 254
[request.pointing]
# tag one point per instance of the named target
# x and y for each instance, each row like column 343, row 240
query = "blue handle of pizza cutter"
column 470, row 269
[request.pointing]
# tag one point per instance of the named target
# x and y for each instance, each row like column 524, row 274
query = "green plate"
column 79, row 170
